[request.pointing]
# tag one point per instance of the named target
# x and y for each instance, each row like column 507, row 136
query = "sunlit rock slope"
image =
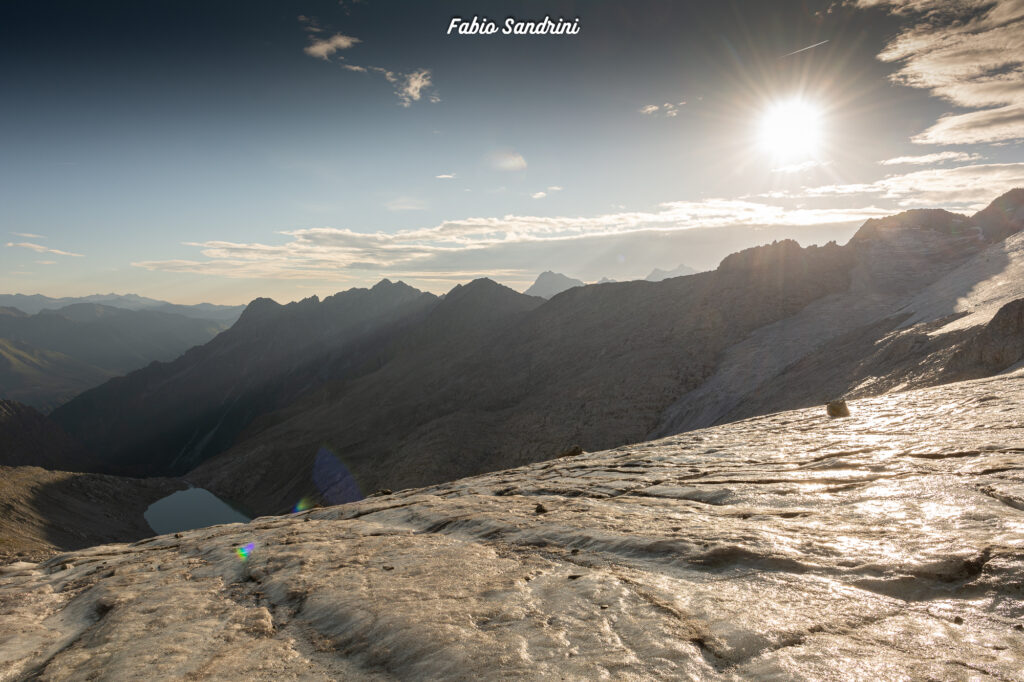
column 888, row 545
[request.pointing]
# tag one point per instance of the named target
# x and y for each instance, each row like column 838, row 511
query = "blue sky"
column 221, row 151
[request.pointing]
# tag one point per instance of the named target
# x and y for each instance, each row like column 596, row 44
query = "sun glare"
column 791, row 129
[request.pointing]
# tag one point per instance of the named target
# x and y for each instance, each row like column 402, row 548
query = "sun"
column 791, row 129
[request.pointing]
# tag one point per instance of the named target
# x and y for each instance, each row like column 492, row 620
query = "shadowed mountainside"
column 42, row 511
column 49, row 357
column 181, row 412
column 28, row 437
column 593, row 367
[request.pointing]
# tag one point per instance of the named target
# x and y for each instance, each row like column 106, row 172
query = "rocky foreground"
column 888, row 545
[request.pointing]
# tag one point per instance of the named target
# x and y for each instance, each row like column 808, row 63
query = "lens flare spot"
column 302, row 505
column 244, row 551
column 335, row 482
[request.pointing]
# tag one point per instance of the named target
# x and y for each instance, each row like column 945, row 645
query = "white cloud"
column 970, row 53
column 445, row 176
column 969, row 186
column 928, row 159
column 649, row 109
column 410, row 87
column 28, row 235
column 543, row 193
column 327, row 252
column 509, row 161
column 323, row 49
column 977, row 127
column 39, row 248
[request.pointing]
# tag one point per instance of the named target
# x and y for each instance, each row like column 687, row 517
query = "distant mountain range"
column 391, row 387
column 657, row 274
column 551, row 283
column 36, row 303
column 50, row 356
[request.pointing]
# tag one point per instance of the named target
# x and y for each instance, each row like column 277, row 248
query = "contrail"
column 803, row 49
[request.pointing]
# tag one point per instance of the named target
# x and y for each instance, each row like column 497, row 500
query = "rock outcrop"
column 882, row 546
column 993, row 348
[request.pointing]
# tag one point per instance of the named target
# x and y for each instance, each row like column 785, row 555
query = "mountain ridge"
column 430, row 399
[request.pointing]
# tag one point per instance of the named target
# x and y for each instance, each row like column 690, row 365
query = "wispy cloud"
column 445, row 176
column 28, row 235
column 328, row 252
column 310, row 24
column 323, row 49
column 543, row 193
column 667, row 109
column 967, row 186
column 409, row 86
column 928, row 159
column 970, row 53
column 39, row 248
column 508, row 161
column 46, row 262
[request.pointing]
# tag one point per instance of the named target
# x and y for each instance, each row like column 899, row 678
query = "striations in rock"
column 790, row 546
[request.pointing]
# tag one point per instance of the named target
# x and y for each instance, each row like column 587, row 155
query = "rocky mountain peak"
column 485, row 292
column 1003, row 217
column 936, row 220
column 785, row 257
column 551, row 283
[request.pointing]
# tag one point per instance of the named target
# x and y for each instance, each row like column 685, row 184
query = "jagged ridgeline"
column 405, row 388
